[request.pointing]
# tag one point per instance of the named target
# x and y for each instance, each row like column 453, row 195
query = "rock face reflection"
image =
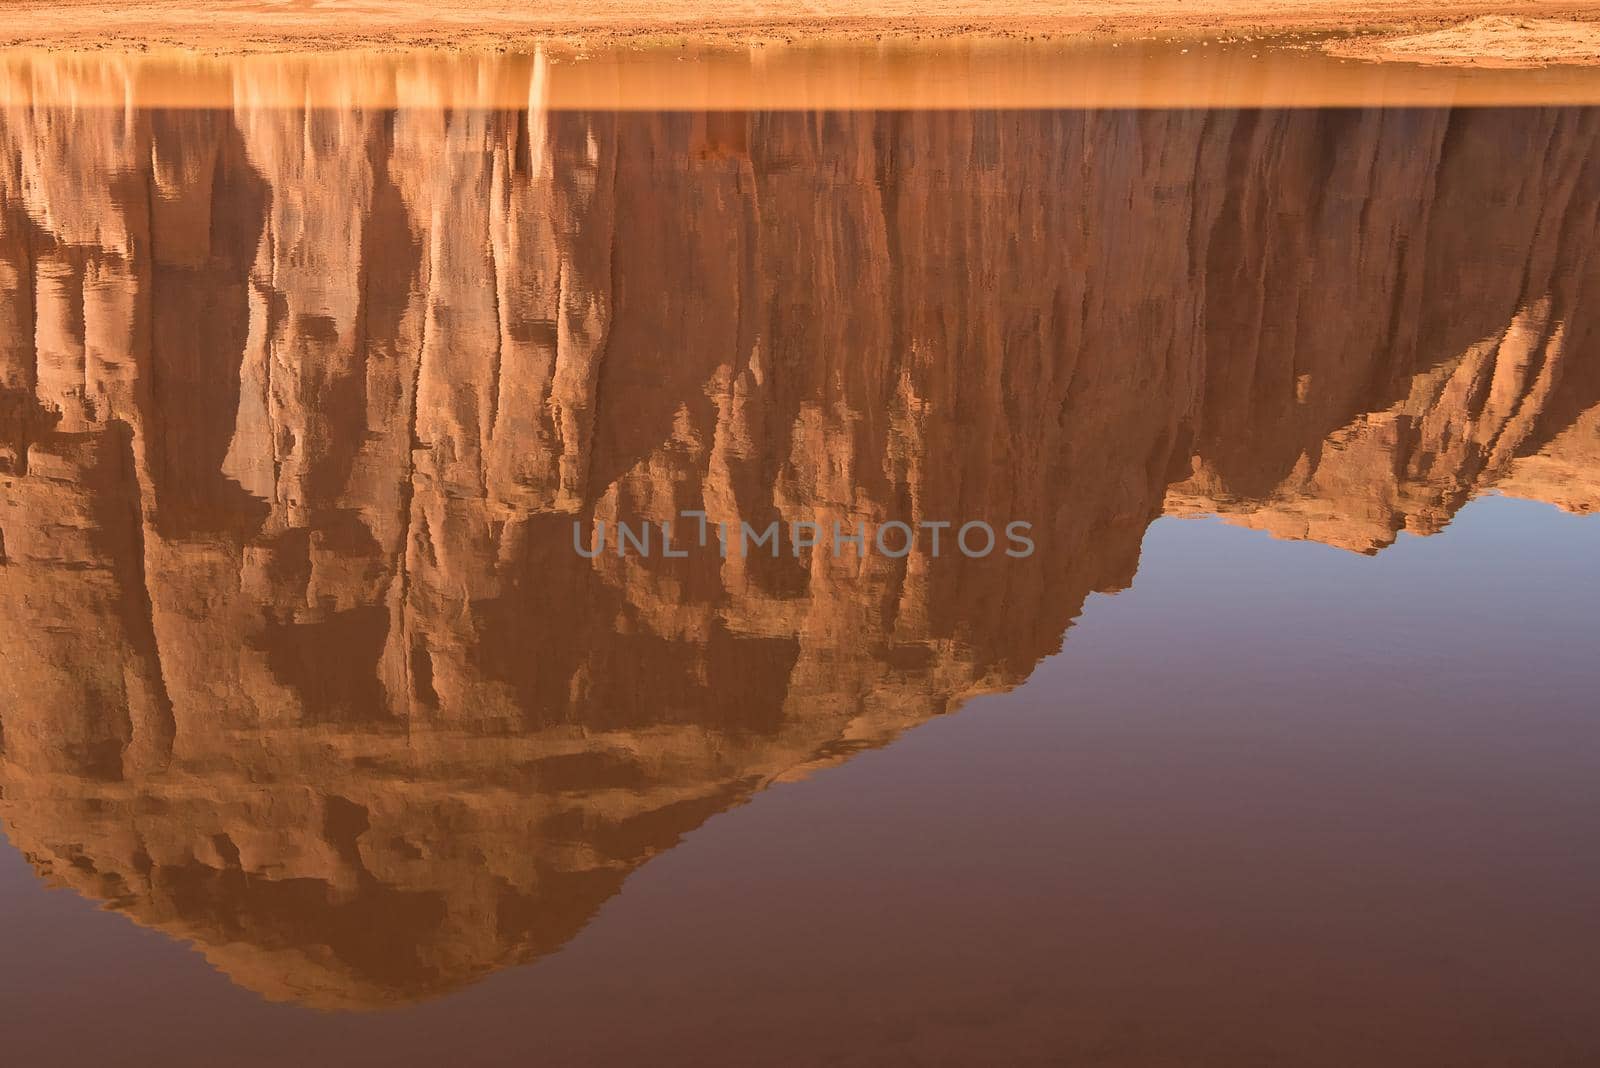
column 298, row 408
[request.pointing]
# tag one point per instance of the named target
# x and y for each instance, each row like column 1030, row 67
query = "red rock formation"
column 299, row 409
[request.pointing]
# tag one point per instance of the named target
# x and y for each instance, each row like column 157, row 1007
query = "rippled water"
column 1278, row 748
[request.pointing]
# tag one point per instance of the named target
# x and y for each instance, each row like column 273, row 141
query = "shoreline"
column 1425, row 31
column 955, row 74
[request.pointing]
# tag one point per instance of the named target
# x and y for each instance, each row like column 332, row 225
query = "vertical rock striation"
column 299, row 409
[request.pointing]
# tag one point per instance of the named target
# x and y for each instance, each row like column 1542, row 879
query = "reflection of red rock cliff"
column 1395, row 349
column 298, row 410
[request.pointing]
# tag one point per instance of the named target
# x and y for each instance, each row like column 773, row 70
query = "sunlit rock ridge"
column 298, row 409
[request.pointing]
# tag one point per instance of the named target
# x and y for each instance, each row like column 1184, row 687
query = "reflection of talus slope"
column 1483, row 418
column 300, row 407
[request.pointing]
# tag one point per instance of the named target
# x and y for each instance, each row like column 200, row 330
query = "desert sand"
column 1517, row 33
column 1490, row 41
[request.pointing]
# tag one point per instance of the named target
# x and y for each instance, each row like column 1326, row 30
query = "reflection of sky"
column 1505, row 597
column 1271, row 786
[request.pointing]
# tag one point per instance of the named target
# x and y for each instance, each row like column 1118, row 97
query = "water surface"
column 1279, row 748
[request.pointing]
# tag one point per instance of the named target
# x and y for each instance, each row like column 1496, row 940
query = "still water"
column 321, row 742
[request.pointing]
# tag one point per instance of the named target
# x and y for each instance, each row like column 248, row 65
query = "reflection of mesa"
column 297, row 407
column 894, row 539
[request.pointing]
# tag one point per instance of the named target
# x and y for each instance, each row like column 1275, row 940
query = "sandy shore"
column 1488, row 41
column 1517, row 32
